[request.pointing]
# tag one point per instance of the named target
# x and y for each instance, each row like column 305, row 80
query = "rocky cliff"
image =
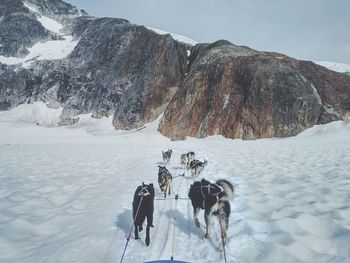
column 121, row 69
column 128, row 71
column 241, row 93
column 116, row 68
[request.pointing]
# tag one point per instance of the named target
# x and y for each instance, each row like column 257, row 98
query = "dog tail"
column 205, row 162
column 228, row 189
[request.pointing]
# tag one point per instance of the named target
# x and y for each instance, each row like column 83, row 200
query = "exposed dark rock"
column 56, row 9
column 20, row 28
column 333, row 87
column 16, row 86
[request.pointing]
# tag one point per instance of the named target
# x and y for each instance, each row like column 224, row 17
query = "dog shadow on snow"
column 188, row 226
column 183, row 224
column 124, row 221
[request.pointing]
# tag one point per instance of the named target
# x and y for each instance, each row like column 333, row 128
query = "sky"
column 303, row 29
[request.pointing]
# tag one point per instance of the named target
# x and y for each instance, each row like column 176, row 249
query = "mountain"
column 108, row 66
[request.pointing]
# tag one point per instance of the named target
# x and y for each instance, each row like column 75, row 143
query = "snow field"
column 66, row 195
column 52, row 49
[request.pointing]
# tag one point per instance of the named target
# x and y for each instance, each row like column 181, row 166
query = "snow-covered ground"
column 338, row 67
column 53, row 49
column 65, row 194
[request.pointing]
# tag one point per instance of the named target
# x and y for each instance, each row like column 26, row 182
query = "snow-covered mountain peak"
column 338, row 67
column 176, row 37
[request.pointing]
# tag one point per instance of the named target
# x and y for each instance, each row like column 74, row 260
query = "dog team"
column 213, row 198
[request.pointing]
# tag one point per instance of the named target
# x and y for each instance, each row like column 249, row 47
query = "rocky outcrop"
column 57, row 9
column 240, row 93
column 16, row 86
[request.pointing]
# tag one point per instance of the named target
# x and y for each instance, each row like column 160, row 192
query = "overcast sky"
column 304, row 29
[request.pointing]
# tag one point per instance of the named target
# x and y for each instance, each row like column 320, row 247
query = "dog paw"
column 206, row 235
column 136, row 238
column 147, row 241
column 198, row 224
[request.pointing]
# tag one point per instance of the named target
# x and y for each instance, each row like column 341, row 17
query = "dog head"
column 167, row 154
column 191, row 155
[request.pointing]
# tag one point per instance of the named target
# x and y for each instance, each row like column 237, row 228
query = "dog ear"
column 143, row 184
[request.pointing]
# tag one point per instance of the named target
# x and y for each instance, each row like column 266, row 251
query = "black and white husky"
column 214, row 198
column 186, row 159
column 165, row 180
column 197, row 167
column 143, row 207
column 166, row 156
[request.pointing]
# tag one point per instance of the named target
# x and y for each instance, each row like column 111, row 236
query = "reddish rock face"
column 240, row 93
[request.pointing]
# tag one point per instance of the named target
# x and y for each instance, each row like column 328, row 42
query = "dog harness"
column 213, row 190
column 194, row 163
column 144, row 191
column 165, row 179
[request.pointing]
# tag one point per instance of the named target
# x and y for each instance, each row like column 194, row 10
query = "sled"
column 166, row 261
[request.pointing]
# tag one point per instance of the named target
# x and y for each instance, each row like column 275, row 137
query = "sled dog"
column 214, row 198
column 143, row 207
